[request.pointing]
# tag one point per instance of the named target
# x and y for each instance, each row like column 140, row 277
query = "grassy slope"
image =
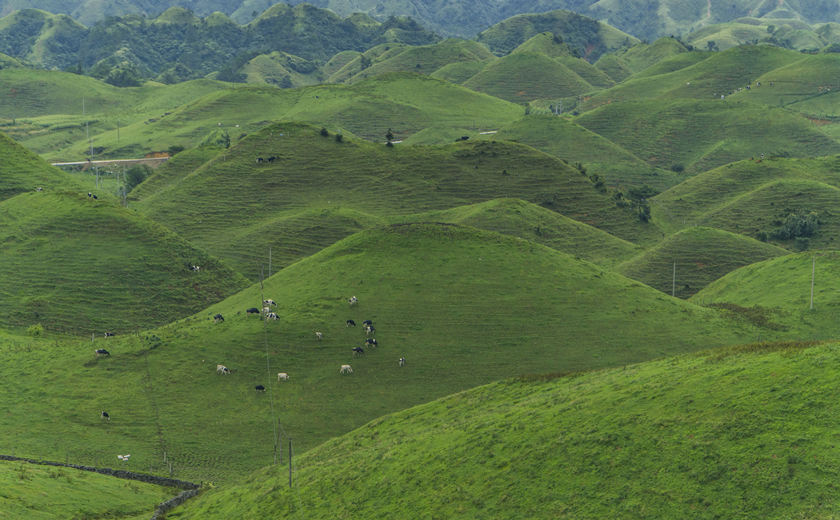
column 464, row 307
column 728, row 433
column 574, row 143
column 749, row 196
column 537, row 224
column 77, row 264
column 22, row 171
column 236, row 208
column 700, row 135
column 31, row 492
column 407, row 103
column 526, row 76
column 782, row 286
column 701, row 256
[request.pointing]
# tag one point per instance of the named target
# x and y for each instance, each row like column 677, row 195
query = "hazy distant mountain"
column 642, row 18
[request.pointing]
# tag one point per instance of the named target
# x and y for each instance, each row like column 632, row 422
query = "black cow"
column 358, row 351
column 218, row 317
column 259, row 388
column 101, row 352
column 253, row 310
column 350, row 323
column 371, row 341
column 103, row 414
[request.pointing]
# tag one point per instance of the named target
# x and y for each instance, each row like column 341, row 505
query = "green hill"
column 22, row 171
column 779, row 290
column 407, row 103
column 693, row 136
column 697, row 436
column 573, row 143
column 757, row 198
column 224, row 205
column 524, row 76
column 542, row 226
column 689, row 260
column 75, row 264
column 588, row 37
column 787, row 32
column 43, row 492
column 281, row 69
column 464, row 307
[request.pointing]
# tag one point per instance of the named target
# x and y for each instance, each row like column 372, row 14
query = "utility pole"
column 290, row 463
column 269, row 262
column 813, row 271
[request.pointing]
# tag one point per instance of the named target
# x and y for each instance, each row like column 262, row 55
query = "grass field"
column 237, row 209
column 687, row 261
column 727, row 433
column 465, row 307
column 32, row 492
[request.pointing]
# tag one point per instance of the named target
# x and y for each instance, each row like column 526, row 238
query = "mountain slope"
column 697, row 436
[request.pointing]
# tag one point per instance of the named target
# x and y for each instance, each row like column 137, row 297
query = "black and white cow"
column 350, row 323
column 371, row 342
column 358, row 351
column 105, row 415
column 259, row 388
column 101, row 352
column 253, row 310
column 218, row 318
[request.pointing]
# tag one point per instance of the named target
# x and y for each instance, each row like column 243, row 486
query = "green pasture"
column 318, row 190
column 33, row 492
column 464, row 307
column 687, row 261
column 741, row 432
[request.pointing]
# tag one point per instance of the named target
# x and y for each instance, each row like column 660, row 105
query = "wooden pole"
column 813, row 271
column 290, row 463
column 674, row 281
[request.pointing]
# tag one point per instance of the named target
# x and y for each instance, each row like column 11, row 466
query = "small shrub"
column 36, row 330
column 175, row 149
column 677, row 168
column 324, row 132
column 339, row 138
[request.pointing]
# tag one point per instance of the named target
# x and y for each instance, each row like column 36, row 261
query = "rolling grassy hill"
column 789, row 33
column 778, row 290
column 536, row 224
column 687, row 261
column 80, row 265
column 724, row 433
column 237, row 208
column 693, row 136
column 33, row 492
column 755, row 196
column 573, row 143
column 407, row 103
column 465, row 307
column 21, row 171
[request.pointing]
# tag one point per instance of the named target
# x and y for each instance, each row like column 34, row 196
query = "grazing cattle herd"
column 268, row 314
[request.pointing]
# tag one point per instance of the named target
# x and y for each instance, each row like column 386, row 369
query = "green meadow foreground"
column 728, row 433
column 32, row 492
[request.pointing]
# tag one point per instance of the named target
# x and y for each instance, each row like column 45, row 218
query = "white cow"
column 282, row 376
column 345, row 369
column 221, row 369
column 319, row 335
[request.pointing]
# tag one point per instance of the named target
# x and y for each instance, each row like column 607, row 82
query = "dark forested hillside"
column 642, row 18
column 178, row 45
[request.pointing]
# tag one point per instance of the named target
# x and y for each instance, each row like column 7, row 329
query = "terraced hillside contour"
column 238, row 208
column 464, row 307
column 738, row 431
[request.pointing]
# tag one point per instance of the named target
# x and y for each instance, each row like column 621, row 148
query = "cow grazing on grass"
column 223, row 370
column 345, row 369
column 282, row 376
column 105, row 415
column 371, row 342
column 367, row 323
column 109, row 334
column 252, row 310
column 319, row 335
column 402, row 361
column 218, row 318
column 269, row 302
column 39, row 189
column 271, row 316
column 101, row 352
column 259, row 388
column 350, row 323
column 369, row 330
column 195, row 267
column 353, row 300
column 358, row 351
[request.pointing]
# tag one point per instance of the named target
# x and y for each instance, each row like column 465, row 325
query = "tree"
column 389, row 136
column 712, row 45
